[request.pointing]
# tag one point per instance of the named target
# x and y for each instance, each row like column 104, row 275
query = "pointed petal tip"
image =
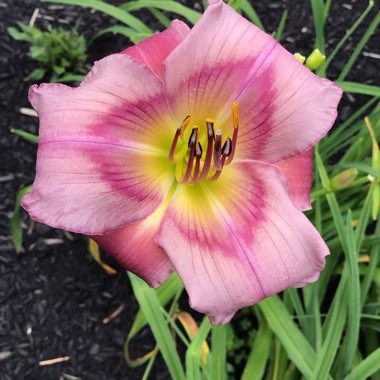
column 180, row 27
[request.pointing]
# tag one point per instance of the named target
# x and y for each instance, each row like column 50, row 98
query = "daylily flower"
column 191, row 151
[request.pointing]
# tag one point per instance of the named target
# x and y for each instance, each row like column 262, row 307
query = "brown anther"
column 199, row 151
column 227, row 147
column 193, row 137
column 210, row 128
column 218, row 148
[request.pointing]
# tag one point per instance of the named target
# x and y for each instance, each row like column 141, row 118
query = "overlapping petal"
column 204, row 72
column 233, row 243
column 134, row 247
column 153, row 50
column 299, row 174
column 101, row 162
column 284, row 108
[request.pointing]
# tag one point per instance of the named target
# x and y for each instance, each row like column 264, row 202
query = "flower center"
column 192, row 164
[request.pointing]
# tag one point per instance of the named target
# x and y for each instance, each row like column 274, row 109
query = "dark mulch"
column 53, row 297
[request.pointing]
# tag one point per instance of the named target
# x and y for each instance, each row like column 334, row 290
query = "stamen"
column 219, row 171
column 181, row 154
column 235, row 115
column 227, row 147
column 185, row 123
column 210, row 145
column 235, row 122
column 189, row 168
column 199, row 151
column 179, row 132
column 194, row 139
column 210, row 128
column 218, row 149
column 174, row 144
column 198, row 155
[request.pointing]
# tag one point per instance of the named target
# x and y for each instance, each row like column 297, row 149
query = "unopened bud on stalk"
column 344, row 179
column 299, row 57
column 314, row 60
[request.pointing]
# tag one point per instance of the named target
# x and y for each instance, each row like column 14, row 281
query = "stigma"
column 193, row 163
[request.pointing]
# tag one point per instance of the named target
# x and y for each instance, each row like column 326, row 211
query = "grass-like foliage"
column 59, row 53
column 327, row 330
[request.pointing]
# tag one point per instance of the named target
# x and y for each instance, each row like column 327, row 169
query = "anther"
column 235, row 122
column 179, row 132
column 174, row 144
column 210, row 128
column 219, row 171
column 227, row 147
column 199, row 151
column 198, row 155
column 189, row 167
column 218, row 149
column 235, row 115
column 193, row 137
column 185, row 123
column 210, row 147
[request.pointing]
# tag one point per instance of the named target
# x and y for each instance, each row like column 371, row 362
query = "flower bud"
column 314, row 60
column 344, row 179
column 299, row 57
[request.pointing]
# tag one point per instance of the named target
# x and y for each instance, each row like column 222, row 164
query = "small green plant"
column 60, row 53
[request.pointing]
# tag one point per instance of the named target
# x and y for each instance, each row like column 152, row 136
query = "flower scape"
column 191, row 151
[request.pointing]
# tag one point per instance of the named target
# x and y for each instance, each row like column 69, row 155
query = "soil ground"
column 53, row 296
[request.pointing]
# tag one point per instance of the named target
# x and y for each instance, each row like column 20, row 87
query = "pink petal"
column 299, row 173
column 206, row 69
column 284, row 108
column 153, row 50
column 134, row 248
column 239, row 239
column 100, row 162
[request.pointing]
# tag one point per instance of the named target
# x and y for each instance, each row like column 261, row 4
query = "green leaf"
column 167, row 291
column 359, row 47
column 369, row 275
column 234, row 4
column 250, row 12
column 15, row 221
column 281, row 26
column 369, row 366
column 347, row 35
column 318, row 9
column 366, row 168
column 37, row 51
column 291, row 338
column 17, row 35
column 150, row 305
column 259, row 355
column 194, row 351
column 334, row 329
column 70, row 78
column 354, row 306
column 165, row 5
column 358, row 88
column 218, row 346
column 110, row 10
column 160, row 16
column 36, row 75
column 25, row 135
